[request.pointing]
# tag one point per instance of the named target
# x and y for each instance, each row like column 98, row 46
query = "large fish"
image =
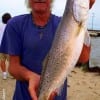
column 66, row 47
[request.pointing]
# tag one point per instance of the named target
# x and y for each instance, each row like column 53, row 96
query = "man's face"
column 40, row 5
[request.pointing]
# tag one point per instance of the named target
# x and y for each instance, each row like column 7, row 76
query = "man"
column 4, row 57
column 27, row 40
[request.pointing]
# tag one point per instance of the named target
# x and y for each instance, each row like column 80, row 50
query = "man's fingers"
column 52, row 96
column 33, row 94
column 91, row 3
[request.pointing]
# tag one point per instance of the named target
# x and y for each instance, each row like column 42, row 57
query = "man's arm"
column 19, row 71
column 85, row 54
column 23, row 74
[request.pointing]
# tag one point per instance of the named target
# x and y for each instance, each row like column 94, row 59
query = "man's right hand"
column 33, row 86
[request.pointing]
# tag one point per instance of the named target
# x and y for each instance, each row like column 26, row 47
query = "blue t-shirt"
column 31, row 43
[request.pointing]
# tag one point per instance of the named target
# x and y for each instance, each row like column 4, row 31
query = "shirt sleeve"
column 11, row 41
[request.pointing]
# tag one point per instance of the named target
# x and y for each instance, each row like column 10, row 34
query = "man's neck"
column 41, row 19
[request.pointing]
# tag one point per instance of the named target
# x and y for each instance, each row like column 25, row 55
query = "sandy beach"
column 6, row 88
column 81, row 86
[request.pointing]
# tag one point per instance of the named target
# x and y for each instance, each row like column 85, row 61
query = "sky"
column 17, row 7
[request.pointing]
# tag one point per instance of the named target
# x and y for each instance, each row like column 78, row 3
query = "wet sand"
column 81, row 86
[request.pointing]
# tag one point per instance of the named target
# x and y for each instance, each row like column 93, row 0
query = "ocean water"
column 94, row 60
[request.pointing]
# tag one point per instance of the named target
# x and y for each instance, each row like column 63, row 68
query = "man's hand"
column 52, row 96
column 91, row 3
column 33, row 86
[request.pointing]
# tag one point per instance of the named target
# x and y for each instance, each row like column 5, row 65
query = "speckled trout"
column 66, row 47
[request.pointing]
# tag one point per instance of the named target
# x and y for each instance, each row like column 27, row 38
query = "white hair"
column 27, row 5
